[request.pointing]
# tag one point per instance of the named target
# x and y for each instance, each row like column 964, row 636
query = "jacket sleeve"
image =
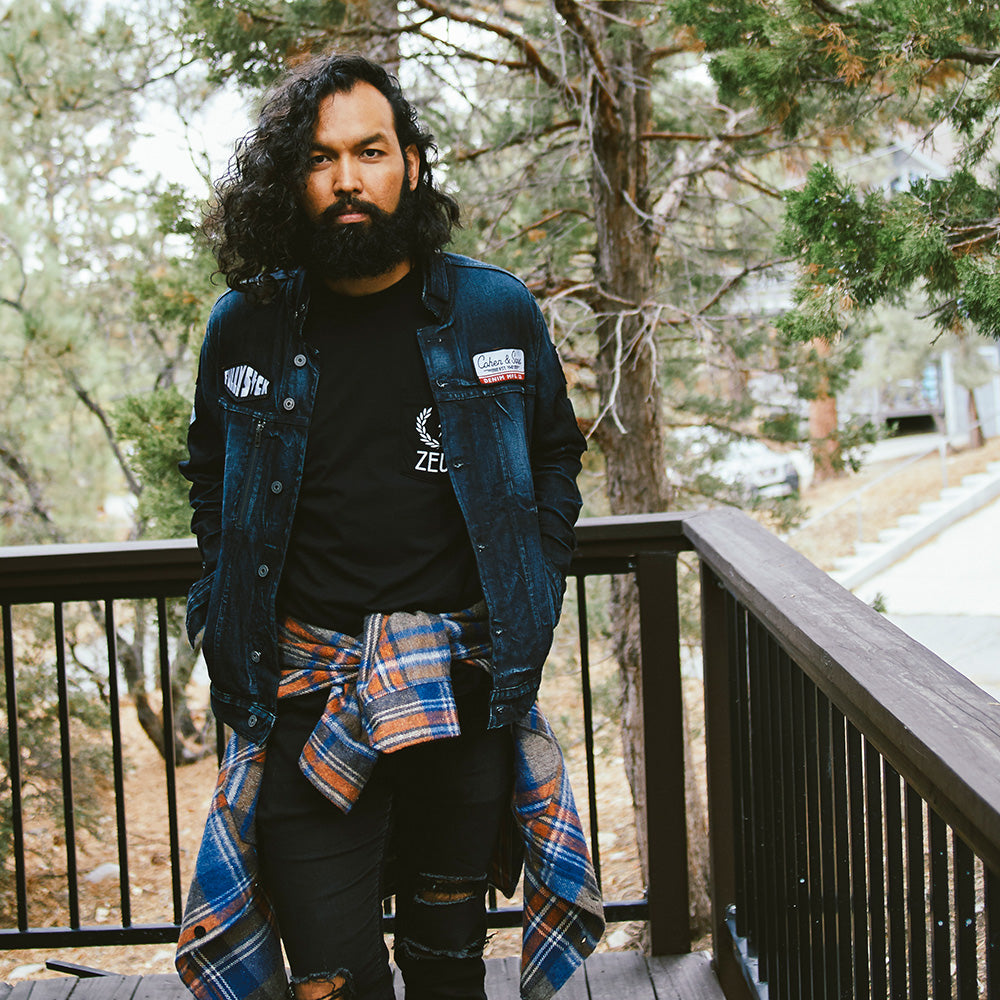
column 205, row 463
column 556, row 447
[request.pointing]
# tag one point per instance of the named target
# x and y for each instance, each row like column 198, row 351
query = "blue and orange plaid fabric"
column 387, row 690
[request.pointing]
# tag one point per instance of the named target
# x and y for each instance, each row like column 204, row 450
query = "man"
column 383, row 463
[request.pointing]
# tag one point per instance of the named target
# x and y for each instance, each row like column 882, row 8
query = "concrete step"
column 912, row 530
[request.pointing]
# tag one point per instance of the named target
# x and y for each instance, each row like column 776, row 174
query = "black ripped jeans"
column 435, row 809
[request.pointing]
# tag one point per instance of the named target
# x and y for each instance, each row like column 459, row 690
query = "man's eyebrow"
column 369, row 140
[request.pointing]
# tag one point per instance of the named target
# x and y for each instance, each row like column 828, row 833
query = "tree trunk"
column 630, row 428
column 823, row 423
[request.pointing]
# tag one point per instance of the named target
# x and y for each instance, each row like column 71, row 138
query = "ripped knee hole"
column 322, row 986
column 440, row 890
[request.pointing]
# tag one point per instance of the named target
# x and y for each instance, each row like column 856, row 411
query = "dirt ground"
column 148, row 844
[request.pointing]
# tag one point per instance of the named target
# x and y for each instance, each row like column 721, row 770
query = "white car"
column 750, row 466
column 758, row 471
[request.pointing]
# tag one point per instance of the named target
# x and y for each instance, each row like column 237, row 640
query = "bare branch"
column 570, row 13
column 697, row 137
column 740, row 173
column 32, row 487
column 729, row 283
column 84, row 396
column 527, row 47
column 517, row 139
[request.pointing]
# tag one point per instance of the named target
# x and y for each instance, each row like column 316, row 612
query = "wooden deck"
column 623, row 975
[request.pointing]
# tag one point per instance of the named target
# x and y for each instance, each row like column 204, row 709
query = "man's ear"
column 412, row 156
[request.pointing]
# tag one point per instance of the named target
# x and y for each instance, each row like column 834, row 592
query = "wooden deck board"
column 94, row 988
column 684, row 977
column 623, row 975
column 576, row 987
column 612, row 975
column 503, row 978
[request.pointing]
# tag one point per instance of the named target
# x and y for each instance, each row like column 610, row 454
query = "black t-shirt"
column 377, row 526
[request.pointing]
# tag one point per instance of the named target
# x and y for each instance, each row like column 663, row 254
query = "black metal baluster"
column 743, row 807
column 69, row 816
column 14, row 772
column 784, row 779
column 940, row 913
column 894, row 878
column 110, row 631
column 588, row 721
column 859, row 885
column 818, row 977
column 916, row 903
column 876, row 871
column 769, row 827
column 966, row 961
column 991, row 904
column 842, row 845
column 800, row 886
column 758, row 780
column 169, row 756
column 828, row 845
column 737, row 731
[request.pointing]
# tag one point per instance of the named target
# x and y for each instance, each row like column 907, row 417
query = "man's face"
column 358, row 185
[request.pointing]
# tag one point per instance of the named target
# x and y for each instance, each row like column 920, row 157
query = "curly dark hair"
column 256, row 224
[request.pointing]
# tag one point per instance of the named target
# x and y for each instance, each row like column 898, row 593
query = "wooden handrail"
column 937, row 728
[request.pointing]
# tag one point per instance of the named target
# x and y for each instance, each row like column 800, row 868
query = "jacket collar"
column 436, row 285
column 435, row 295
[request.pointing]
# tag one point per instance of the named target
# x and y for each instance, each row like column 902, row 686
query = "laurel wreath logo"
column 422, row 417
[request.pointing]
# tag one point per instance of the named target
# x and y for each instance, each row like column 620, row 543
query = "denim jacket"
column 509, row 436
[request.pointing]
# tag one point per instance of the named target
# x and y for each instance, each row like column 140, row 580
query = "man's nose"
column 348, row 178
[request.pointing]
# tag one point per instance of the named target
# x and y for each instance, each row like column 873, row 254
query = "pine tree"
column 926, row 71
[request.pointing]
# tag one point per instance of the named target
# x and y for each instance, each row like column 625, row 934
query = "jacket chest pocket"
column 507, row 408
column 248, row 439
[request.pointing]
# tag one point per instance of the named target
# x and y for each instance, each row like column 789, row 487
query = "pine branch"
column 962, row 53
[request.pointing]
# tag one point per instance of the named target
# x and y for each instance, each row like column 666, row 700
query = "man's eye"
column 372, row 154
column 316, row 159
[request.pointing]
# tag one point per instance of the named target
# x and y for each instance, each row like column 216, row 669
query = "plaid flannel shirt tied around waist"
column 388, row 689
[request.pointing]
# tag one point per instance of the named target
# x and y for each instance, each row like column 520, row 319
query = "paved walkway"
column 946, row 595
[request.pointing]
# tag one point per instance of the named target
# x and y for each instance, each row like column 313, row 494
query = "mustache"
column 343, row 205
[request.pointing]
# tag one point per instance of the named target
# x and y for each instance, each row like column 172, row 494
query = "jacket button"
column 252, row 721
column 255, row 656
column 288, row 403
column 299, row 360
column 199, row 931
column 262, row 570
column 276, row 487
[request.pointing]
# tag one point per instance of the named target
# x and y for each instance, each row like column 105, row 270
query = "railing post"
column 723, row 850
column 663, row 736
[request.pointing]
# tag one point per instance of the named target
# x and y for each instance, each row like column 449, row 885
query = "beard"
column 362, row 249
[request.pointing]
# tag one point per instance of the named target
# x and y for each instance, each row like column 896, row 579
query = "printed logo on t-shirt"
column 243, row 381
column 500, row 366
column 430, row 456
